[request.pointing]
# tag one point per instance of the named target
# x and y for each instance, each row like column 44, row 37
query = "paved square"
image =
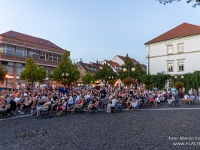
column 134, row 129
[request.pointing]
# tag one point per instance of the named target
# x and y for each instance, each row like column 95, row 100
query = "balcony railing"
column 22, row 58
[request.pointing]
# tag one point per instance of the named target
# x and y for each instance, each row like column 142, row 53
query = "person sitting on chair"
column 111, row 104
column 185, row 98
column 79, row 104
column 62, row 107
column 10, row 107
column 94, row 105
column 44, row 107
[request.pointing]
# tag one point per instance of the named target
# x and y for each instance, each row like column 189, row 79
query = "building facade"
column 175, row 52
column 87, row 68
column 17, row 47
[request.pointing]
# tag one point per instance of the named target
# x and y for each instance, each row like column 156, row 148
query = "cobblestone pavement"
column 134, row 129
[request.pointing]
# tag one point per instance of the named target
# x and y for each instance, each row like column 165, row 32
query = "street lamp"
column 179, row 77
column 65, row 75
column 6, row 79
column 129, row 69
column 110, row 77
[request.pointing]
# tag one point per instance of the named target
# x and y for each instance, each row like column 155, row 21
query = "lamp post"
column 64, row 75
column 178, row 77
column 129, row 69
column 110, row 77
column 6, row 79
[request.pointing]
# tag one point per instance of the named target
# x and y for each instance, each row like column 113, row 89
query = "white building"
column 176, row 51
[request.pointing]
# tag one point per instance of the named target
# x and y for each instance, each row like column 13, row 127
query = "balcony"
column 23, row 58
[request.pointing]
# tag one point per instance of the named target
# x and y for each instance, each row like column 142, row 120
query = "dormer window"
column 41, row 42
column 13, row 35
column 48, row 43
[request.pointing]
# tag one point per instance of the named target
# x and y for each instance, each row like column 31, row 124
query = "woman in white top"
column 112, row 104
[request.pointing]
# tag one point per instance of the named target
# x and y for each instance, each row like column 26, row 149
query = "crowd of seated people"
column 73, row 100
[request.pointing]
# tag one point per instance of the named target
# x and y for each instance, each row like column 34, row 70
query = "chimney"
column 81, row 60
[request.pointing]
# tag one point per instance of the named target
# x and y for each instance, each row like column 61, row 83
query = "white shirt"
column 77, row 98
column 114, row 101
column 70, row 101
column 17, row 99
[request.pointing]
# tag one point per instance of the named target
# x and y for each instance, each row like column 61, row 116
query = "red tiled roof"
column 86, row 67
column 123, row 58
column 113, row 64
column 31, row 39
column 182, row 30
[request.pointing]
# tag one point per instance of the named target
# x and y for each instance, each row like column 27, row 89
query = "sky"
column 96, row 29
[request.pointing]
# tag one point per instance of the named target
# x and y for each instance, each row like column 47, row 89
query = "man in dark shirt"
column 103, row 96
column 11, row 107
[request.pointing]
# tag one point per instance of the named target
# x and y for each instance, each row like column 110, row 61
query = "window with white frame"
column 54, row 58
column 180, row 48
column 33, row 54
column 170, row 67
column 59, row 57
column 43, row 56
column 169, row 49
column 180, row 66
column 8, row 50
column 21, row 52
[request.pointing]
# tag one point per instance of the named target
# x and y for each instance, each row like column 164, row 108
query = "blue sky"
column 96, row 29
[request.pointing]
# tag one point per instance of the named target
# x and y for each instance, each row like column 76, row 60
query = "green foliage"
column 41, row 74
column 104, row 73
column 128, row 64
column 88, row 78
column 197, row 2
column 178, row 85
column 65, row 66
column 32, row 72
column 190, row 80
column 3, row 72
column 139, row 72
column 158, row 80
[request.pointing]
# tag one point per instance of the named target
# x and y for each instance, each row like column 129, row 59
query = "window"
column 180, row 66
column 33, row 54
column 43, row 56
column 8, row 50
column 59, row 57
column 21, row 52
column 19, row 68
column 170, row 67
column 180, row 48
column 54, row 58
column 9, row 66
column 169, row 49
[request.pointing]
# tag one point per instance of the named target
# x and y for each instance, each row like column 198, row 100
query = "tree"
column 32, row 72
column 128, row 64
column 88, row 78
column 136, row 74
column 197, row 2
column 66, row 66
column 3, row 72
column 157, row 80
column 105, row 73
